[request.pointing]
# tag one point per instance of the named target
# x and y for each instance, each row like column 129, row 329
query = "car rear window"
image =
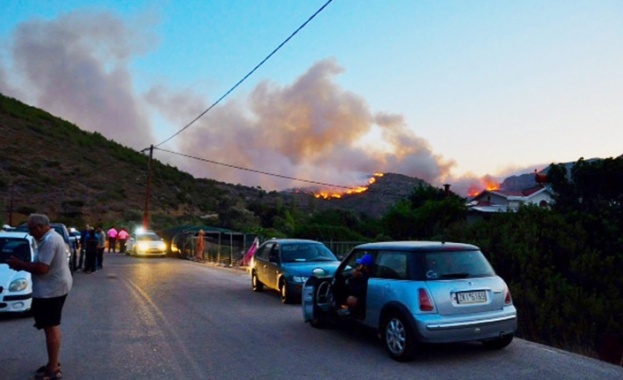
column 445, row 265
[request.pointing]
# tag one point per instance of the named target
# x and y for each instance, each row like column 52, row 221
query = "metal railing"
column 228, row 249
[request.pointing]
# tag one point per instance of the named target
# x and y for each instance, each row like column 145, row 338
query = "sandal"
column 41, row 370
column 49, row 375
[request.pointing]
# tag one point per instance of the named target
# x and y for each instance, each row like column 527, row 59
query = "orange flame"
column 337, row 194
column 486, row 183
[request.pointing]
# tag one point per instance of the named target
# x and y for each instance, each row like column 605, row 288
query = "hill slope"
column 50, row 165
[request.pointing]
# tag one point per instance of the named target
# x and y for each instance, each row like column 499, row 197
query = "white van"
column 15, row 286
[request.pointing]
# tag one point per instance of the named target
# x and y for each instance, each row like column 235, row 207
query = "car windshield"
column 456, row 264
column 305, row 252
column 14, row 247
column 148, row 237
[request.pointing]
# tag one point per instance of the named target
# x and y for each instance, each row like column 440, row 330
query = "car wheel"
column 256, row 283
column 398, row 338
column 498, row 343
column 285, row 295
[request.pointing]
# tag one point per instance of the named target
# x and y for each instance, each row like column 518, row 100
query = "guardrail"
column 228, row 249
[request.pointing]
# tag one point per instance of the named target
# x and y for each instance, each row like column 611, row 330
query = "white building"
column 488, row 201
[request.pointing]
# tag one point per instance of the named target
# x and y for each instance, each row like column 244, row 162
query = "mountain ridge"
column 51, row 165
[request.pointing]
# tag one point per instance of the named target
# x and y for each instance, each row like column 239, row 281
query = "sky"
column 457, row 92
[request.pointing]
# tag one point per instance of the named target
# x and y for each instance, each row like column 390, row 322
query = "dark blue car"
column 285, row 265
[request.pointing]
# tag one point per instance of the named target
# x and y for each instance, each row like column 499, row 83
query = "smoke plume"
column 78, row 67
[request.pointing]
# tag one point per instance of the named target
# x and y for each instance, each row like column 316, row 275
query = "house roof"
column 512, row 194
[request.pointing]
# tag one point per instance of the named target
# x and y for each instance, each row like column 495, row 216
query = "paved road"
column 173, row 319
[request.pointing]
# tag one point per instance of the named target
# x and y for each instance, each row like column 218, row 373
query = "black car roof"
column 418, row 246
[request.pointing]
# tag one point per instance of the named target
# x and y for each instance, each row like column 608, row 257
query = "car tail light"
column 507, row 298
column 426, row 304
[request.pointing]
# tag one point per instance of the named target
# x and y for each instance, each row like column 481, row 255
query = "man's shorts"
column 47, row 311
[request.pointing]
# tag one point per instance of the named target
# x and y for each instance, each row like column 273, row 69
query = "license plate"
column 472, row 297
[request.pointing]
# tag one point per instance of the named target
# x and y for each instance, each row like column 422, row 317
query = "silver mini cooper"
column 418, row 292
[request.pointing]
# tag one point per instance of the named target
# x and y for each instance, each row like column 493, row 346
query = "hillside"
column 50, row 165
column 375, row 201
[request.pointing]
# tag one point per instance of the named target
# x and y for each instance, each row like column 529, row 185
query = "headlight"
column 162, row 246
column 18, row 285
column 142, row 246
column 299, row 279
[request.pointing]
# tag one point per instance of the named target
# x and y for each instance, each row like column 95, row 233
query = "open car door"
column 317, row 300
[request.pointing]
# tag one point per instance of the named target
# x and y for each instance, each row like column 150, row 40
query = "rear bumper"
column 436, row 329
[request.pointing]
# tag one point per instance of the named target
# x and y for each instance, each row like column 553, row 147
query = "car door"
column 260, row 262
column 273, row 266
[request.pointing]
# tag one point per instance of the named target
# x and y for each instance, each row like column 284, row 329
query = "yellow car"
column 146, row 243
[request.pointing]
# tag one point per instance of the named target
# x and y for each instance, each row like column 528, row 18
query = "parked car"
column 70, row 244
column 419, row 292
column 15, row 286
column 285, row 265
column 146, row 243
column 74, row 237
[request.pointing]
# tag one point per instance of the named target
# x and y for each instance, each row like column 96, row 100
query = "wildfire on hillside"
column 339, row 193
column 486, row 183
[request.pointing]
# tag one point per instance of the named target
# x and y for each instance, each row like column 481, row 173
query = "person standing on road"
column 51, row 282
column 200, row 245
column 123, row 237
column 112, row 239
column 101, row 246
column 91, row 244
column 83, row 246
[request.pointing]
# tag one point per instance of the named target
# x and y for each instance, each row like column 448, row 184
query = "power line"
column 248, row 75
column 370, row 189
column 255, row 171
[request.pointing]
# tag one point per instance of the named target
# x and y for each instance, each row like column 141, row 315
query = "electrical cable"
column 370, row 189
column 248, row 74
column 254, row 170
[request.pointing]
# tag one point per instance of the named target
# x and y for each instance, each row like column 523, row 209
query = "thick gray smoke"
column 311, row 129
column 78, row 67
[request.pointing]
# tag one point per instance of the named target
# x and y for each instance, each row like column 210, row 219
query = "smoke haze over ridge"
column 79, row 67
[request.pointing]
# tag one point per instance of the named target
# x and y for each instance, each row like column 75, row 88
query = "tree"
column 426, row 214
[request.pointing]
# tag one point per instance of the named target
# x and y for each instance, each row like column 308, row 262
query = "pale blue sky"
column 447, row 91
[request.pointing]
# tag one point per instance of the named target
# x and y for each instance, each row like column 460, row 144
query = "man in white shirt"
column 52, row 282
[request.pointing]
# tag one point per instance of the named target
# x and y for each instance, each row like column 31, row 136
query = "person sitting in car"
column 357, row 287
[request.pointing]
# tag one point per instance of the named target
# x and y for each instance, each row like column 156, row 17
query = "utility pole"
column 11, row 204
column 148, row 188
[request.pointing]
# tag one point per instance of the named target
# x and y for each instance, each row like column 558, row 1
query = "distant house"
column 490, row 201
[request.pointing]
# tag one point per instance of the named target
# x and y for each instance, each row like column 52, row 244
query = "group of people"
column 115, row 236
column 93, row 244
